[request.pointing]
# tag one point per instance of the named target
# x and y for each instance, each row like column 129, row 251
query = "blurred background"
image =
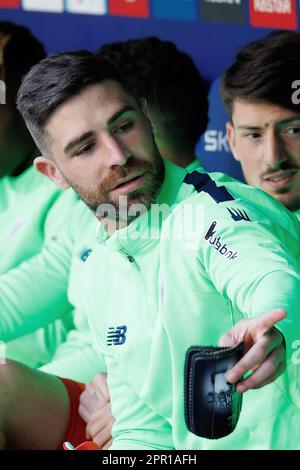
column 209, row 30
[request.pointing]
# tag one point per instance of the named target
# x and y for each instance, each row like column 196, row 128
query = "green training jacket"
column 35, row 294
column 223, row 252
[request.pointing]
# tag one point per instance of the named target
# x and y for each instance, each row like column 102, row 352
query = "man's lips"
column 129, row 183
column 280, row 178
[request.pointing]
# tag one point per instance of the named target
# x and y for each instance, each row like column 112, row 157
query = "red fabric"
column 76, row 426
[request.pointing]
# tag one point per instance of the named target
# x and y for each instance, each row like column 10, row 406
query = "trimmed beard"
column 99, row 201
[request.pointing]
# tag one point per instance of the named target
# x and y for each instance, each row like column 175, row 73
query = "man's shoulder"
column 31, row 180
column 224, row 198
column 218, row 190
column 72, row 214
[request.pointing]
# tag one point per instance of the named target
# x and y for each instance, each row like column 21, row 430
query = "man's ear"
column 47, row 167
column 144, row 106
column 231, row 139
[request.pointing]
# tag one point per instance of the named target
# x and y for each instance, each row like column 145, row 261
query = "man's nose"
column 116, row 154
column 274, row 151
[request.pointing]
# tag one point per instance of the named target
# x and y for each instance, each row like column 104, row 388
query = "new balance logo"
column 221, row 247
column 238, row 214
column 116, row 336
column 85, row 254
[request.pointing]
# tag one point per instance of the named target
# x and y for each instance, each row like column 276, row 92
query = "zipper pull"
column 131, row 260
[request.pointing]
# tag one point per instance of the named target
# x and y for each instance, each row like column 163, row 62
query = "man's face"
column 265, row 138
column 102, row 145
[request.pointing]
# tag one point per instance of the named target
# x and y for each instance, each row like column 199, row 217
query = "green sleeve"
column 35, row 293
column 76, row 358
column 255, row 265
column 81, row 364
column 283, row 289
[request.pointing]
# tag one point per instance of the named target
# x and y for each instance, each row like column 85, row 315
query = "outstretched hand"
column 264, row 350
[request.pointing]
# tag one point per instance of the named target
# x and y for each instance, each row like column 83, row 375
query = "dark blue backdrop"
column 211, row 45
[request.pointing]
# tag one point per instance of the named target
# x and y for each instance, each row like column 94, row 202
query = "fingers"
column 93, row 397
column 84, row 412
column 268, row 320
column 87, row 405
column 100, row 425
column 99, row 419
column 256, row 355
column 100, row 383
column 236, row 335
column 103, row 438
column 227, row 340
column 107, row 446
column 269, row 371
column 249, row 330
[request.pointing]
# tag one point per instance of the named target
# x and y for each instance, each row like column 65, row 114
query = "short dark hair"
column 20, row 53
column 56, row 79
column 168, row 79
column 264, row 71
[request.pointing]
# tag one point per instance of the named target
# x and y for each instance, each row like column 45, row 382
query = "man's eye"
column 85, row 149
column 124, row 127
column 293, row 131
column 253, row 136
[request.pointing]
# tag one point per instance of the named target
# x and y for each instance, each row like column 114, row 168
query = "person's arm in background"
column 34, row 294
column 76, row 359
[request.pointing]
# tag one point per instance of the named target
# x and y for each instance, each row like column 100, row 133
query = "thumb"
column 227, row 340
